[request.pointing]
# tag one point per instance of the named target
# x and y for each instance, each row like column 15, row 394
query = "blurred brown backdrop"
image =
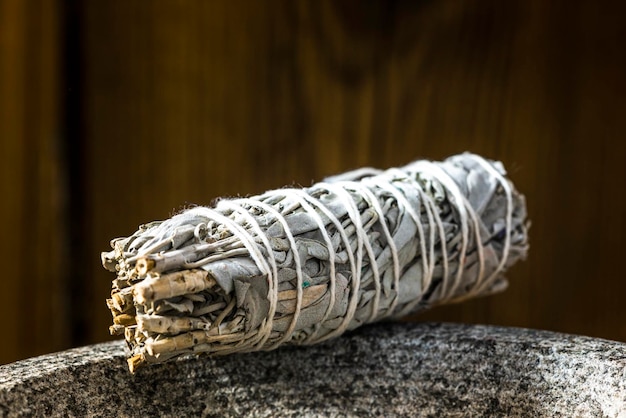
column 116, row 113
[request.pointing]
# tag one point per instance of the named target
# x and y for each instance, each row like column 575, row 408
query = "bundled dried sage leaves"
column 300, row 266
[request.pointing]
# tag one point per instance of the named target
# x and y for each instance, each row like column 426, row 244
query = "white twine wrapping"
column 242, row 230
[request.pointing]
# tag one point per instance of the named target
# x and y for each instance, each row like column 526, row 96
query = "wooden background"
column 116, row 113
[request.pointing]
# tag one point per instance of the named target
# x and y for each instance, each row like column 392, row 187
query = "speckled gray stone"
column 381, row 370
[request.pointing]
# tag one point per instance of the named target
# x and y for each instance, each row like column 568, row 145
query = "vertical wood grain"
column 181, row 102
column 32, row 300
column 188, row 101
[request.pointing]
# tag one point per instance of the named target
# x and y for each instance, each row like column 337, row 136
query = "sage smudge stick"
column 299, row 266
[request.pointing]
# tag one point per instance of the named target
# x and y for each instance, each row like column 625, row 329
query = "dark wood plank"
column 188, row 101
column 32, row 301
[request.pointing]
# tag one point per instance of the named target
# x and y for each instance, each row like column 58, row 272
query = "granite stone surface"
column 380, row 370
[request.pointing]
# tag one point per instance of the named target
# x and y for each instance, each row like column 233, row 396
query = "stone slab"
column 380, row 370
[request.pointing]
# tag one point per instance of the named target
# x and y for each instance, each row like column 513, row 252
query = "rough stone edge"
column 561, row 359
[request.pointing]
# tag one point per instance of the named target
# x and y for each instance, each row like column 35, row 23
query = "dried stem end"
column 144, row 265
